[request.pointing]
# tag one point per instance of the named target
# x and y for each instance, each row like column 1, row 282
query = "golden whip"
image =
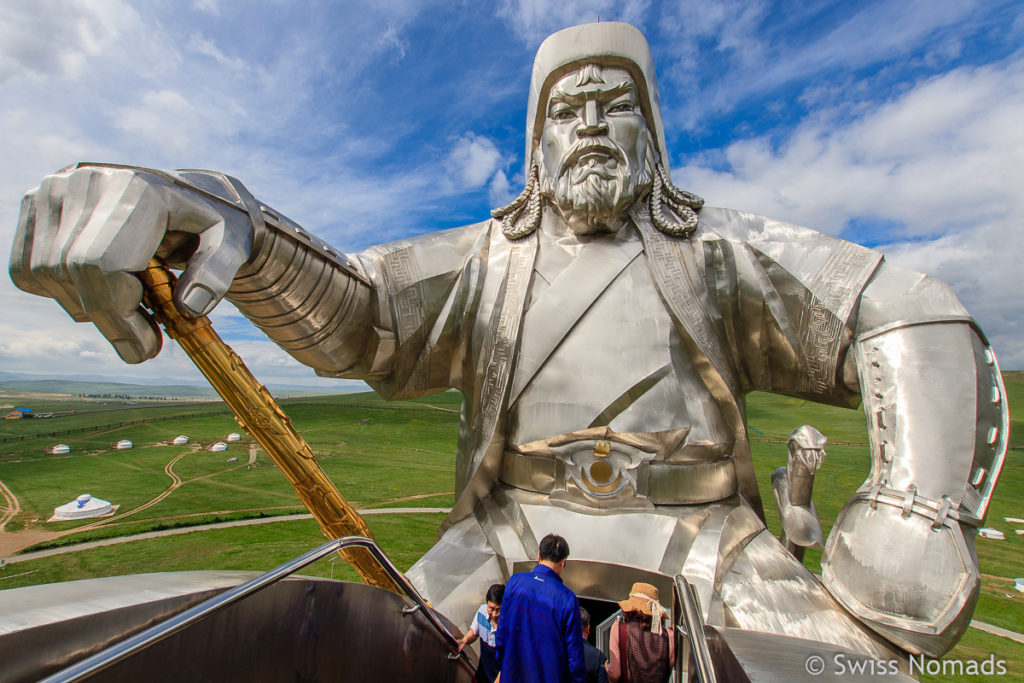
column 258, row 413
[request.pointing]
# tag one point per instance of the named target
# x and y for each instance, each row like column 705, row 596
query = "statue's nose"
column 593, row 121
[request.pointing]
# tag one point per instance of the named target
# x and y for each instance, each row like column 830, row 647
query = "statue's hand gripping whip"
column 258, row 413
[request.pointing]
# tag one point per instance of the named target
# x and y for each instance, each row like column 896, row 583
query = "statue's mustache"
column 591, row 145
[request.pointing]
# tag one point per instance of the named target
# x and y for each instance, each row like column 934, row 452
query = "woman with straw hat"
column 642, row 642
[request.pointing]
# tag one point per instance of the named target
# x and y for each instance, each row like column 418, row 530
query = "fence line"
column 847, row 443
column 764, row 439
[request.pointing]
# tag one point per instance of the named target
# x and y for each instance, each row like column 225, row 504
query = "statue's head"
column 806, row 447
column 594, row 138
column 595, row 154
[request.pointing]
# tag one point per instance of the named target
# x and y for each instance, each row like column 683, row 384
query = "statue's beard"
column 594, row 185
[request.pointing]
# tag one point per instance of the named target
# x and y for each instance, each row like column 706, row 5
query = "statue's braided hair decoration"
column 522, row 216
column 684, row 205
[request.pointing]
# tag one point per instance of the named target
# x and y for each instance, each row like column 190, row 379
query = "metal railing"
column 140, row 641
column 694, row 622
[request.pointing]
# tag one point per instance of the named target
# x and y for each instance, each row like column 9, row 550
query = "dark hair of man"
column 554, row 548
column 584, row 618
column 495, row 593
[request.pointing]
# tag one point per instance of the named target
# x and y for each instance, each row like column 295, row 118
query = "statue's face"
column 595, row 149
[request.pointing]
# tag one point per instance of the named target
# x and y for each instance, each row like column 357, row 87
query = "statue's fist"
column 85, row 231
column 908, row 572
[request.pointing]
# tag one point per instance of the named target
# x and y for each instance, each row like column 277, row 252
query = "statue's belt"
column 600, row 470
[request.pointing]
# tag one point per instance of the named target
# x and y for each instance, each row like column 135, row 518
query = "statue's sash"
column 497, row 361
column 673, row 264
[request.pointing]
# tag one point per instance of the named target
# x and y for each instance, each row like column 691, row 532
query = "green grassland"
column 252, row 548
column 374, row 452
column 380, row 455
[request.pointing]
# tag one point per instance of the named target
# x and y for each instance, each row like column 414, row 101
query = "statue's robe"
column 758, row 304
column 751, row 303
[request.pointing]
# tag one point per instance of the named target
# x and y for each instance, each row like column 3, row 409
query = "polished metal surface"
column 24, row 609
column 769, row 657
column 945, row 587
column 124, row 650
column 603, row 329
column 742, row 575
column 694, row 621
column 300, row 628
column 793, row 486
column 915, row 508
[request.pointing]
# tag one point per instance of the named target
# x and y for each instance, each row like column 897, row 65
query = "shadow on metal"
column 267, row 629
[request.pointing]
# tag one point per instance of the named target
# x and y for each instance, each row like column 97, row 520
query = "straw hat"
column 643, row 598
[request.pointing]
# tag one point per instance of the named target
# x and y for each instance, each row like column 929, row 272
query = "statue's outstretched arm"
column 85, row 230
column 310, row 299
column 901, row 554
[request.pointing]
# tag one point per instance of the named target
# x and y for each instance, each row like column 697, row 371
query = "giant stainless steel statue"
column 603, row 330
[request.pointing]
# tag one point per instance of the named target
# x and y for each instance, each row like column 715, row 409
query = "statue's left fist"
column 907, row 573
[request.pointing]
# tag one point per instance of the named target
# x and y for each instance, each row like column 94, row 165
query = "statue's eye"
column 622, row 108
column 565, row 114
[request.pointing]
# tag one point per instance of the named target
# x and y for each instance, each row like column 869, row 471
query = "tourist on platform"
column 593, row 658
column 540, row 639
column 642, row 641
column 484, row 627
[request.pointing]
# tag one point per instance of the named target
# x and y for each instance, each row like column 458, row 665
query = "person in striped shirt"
column 484, row 626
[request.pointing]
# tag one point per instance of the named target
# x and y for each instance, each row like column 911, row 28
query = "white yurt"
column 180, row 440
column 59, row 449
column 219, row 446
column 988, row 532
column 83, row 506
column 234, row 436
column 123, row 445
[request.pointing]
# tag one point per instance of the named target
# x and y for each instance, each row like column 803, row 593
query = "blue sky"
column 894, row 124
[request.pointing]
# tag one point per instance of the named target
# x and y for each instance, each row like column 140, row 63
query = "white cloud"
column 390, row 41
column 51, row 37
column 474, row 160
column 208, row 6
column 31, row 346
column 200, row 44
column 756, row 50
column 500, row 190
column 939, row 165
column 940, row 155
column 732, row 25
column 534, row 20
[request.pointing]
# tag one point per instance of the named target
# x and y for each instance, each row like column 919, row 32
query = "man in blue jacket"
column 540, row 638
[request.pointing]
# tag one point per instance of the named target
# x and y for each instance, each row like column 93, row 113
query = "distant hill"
column 135, row 391
column 76, row 388
column 17, row 383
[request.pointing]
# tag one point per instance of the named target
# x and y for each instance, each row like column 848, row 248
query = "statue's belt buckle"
column 601, row 468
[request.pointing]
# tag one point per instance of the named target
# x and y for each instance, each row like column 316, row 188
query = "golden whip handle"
column 258, row 413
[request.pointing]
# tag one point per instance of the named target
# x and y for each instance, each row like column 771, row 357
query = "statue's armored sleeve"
column 813, row 316
column 308, row 298
column 901, row 554
column 385, row 315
